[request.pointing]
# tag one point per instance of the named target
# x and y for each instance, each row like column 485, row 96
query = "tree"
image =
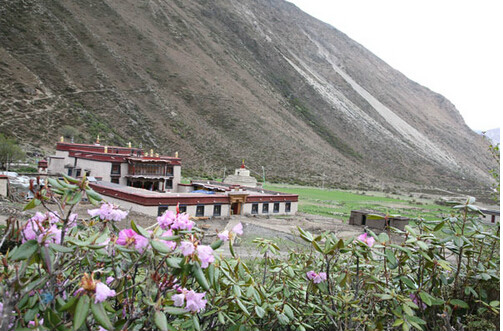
column 9, row 152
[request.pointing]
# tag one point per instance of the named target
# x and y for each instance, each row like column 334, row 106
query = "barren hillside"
column 224, row 80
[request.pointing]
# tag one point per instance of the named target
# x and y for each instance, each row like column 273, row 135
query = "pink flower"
column 224, row 236
column 108, row 212
column 238, row 229
column 187, row 248
column 103, row 292
column 110, row 279
column 178, row 299
column 205, row 255
column 311, row 274
column 166, row 219
column 195, row 301
column 182, row 222
column 170, row 244
column 364, row 238
column 72, row 220
column 128, row 237
column 316, row 278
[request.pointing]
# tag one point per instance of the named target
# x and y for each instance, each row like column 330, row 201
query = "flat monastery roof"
column 151, row 198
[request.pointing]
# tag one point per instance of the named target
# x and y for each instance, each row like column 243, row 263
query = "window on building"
column 200, row 211
column 288, row 207
column 265, row 208
column 254, row 208
column 88, row 173
column 169, row 184
column 276, row 207
column 169, row 171
column 69, row 172
column 114, row 180
column 116, row 169
column 77, row 172
column 161, row 210
column 182, row 209
column 217, row 210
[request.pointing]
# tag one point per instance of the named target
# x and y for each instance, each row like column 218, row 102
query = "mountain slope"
column 224, row 80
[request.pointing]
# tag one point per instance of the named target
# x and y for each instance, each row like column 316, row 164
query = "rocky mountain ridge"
column 224, row 80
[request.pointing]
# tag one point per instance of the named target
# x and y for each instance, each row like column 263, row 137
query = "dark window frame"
column 117, row 166
column 265, row 208
column 254, row 208
column 217, row 210
column 198, row 212
column 275, row 208
column 288, row 207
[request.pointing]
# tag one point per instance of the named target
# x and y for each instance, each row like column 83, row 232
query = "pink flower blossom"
column 205, row 255
column 187, row 248
column 316, row 278
column 72, row 220
column 103, row 292
column 129, row 237
column 109, row 280
column 224, row 236
column 368, row 240
column 178, row 299
column 169, row 244
column 195, row 301
column 166, row 219
column 238, row 229
column 108, row 212
column 182, row 222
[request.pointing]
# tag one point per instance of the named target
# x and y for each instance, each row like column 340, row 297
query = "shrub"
column 61, row 272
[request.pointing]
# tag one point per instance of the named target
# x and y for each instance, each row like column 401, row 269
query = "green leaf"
column 46, row 258
column 69, row 304
column 93, row 195
column 61, row 249
column 288, row 311
column 259, row 311
column 200, row 277
column 221, row 318
column 422, row 245
column 101, row 315
column 383, row 238
column 425, row 297
column 390, row 256
column 174, row 262
column 216, row 245
column 24, row 251
column 242, row 306
column 32, row 204
column 161, row 321
column 81, row 312
column 195, row 321
column 159, row 246
column 138, row 229
column 175, row 310
column 305, row 235
column 459, row 303
column 71, row 179
column 398, row 322
column 409, row 229
column 76, row 198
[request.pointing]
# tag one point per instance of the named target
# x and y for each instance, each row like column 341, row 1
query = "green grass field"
column 339, row 203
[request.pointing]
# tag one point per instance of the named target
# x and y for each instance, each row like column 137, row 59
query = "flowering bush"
column 66, row 273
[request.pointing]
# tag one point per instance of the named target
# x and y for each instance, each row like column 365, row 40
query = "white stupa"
column 241, row 177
